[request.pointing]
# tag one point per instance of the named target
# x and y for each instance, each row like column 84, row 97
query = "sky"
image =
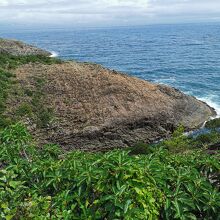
column 106, row 12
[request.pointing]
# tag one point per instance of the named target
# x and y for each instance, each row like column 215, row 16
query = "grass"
column 42, row 114
column 32, row 104
column 5, row 85
column 12, row 62
column 24, row 109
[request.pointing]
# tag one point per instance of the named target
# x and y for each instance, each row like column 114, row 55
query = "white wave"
column 210, row 100
column 54, row 54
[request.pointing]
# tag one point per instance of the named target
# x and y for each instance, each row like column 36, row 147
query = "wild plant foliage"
column 8, row 81
column 47, row 183
column 8, row 61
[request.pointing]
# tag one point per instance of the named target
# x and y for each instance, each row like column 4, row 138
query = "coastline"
column 206, row 99
column 108, row 108
column 212, row 104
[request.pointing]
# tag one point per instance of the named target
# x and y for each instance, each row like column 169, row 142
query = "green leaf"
column 128, row 202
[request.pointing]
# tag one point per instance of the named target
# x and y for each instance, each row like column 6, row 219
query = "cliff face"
column 18, row 48
column 99, row 109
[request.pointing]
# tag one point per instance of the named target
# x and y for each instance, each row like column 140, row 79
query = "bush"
column 49, row 184
column 209, row 138
column 187, row 183
column 179, row 142
column 213, row 124
column 141, row 148
column 51, row 151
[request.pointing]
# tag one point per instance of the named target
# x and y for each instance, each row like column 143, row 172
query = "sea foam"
column 54, row 54
column 210, row 101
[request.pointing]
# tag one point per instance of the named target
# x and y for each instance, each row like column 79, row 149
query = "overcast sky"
column 107, row 12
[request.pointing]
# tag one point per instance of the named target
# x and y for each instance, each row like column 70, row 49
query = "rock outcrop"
column 18, row 48
column 99, row 109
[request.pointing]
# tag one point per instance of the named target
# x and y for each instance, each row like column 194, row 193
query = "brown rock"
column 100, row 109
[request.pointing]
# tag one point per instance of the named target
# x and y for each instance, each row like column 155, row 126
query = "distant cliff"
column 89, row 107
column 18, row 48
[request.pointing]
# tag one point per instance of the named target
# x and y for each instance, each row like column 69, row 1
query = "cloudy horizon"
column 106, row 12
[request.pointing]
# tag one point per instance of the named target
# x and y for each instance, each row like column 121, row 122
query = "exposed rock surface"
column 18, row 48
column 100, row 109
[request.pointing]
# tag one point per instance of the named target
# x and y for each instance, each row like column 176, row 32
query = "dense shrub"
column 50, row 184
column 141, row 148
column 179, row 142
column 209, row 138
column 215, row 123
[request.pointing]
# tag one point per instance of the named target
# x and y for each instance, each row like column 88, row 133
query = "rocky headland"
column 18, row 48
column 94, row 108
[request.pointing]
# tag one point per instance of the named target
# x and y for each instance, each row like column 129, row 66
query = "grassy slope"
column 7, row 79
column 142, row 183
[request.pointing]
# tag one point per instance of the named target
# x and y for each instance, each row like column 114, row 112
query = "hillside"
column 18, row 48
column 52, row 111
column 86, row 106
column 97, row 109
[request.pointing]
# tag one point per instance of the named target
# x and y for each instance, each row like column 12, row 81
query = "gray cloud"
column 107, row 12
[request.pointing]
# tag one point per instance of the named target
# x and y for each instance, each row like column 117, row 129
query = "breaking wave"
column 210, row 100
column 54, row 54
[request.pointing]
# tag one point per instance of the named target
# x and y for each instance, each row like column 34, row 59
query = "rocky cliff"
column 99, row 109
column 95, row 108
column 18, row 48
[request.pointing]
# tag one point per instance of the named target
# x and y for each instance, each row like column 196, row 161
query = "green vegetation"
column 43, row 115
column 211, row 138
column 5, row 85
column 46, row 183
column 33, row 107
column 11, row 62
column 215, row 123
column 175, row 179
column 40, row 113
column 24, row 109
column 179, row 142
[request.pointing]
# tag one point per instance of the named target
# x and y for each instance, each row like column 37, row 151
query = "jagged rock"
column 18, row 48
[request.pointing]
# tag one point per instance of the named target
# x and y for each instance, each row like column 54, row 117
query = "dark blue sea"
column 184, row 56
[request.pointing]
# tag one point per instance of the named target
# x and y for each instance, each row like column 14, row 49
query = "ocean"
column 184, row 56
